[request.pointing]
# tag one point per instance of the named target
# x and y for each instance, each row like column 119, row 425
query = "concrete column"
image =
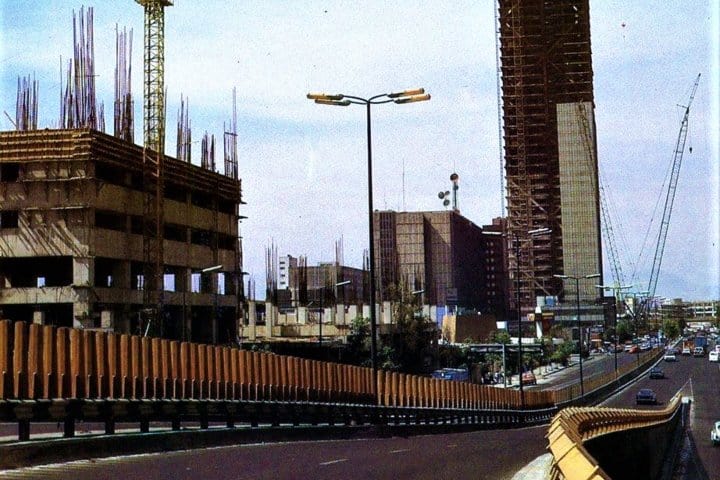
column 83, row 271
column 352, row 313
column 39, row 317
column 386, row 314
column 340, row 314
column 269, row 319
column 252, row 321
column 107, row 319
column 302, row 315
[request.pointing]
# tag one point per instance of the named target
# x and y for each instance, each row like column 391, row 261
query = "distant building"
column 441, row 255
column 285, row 264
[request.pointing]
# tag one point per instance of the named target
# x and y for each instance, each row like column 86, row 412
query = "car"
column 715, row 433
column 528, row 378
column 633, row 349
column 686, row 351
column 656, row 372
column 670, row 356
column 714, row 356
column 646, row 396
column 699, row 352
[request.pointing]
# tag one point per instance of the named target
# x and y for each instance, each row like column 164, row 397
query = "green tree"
column 358, row 341
column 411, row 336
column 671, row 328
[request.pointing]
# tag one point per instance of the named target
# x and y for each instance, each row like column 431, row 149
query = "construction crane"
column 153, row 153
column 644, row 304
column 670, row 196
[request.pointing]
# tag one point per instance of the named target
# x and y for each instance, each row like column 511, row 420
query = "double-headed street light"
column 342, row 100
column 579, row 324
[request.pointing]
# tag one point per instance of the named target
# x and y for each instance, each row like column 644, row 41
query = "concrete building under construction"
column 550, row 148
column 72, row 232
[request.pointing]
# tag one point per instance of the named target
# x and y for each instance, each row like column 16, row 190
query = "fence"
column 45, row 362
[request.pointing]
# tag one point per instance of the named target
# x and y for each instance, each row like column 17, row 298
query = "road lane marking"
column 333, row 461
column 400, row 450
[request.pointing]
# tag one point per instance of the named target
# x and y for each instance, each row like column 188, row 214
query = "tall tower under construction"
column 550, row 148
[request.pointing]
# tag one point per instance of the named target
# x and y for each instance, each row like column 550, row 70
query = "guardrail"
column 574, row 426
column 253, row 413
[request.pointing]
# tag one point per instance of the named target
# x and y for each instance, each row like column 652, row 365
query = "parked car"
column 633, row 349
column 670, row 356
column 656, row 372
column 647, row 396
column 714, row 356
column 528, row 378
column 715, row 433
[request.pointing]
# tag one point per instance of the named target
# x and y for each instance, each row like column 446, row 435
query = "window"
column 9, row 219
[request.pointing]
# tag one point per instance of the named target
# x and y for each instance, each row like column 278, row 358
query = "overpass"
column 71, row 376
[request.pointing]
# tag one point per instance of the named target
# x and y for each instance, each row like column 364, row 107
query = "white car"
column 714, row 356
column 670, row 357
column 715, row 434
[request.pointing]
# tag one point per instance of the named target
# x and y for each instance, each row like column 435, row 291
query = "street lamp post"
column 342, row 100
column 616, row 290
column 531, row 233
column 579, row 324
column 322, row 308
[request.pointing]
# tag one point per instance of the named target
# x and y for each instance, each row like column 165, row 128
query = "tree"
column 671, row 328
column 409, row 342
column 358, row 341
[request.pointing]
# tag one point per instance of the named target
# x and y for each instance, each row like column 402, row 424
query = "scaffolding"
column 545, row 61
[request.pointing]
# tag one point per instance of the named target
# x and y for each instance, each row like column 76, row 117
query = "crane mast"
column 153, row 153
column 670, row 196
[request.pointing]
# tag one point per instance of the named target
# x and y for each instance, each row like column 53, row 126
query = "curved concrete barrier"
column 573, row 427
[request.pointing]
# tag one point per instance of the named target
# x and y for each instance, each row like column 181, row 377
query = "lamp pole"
column 616, row 292
column 342, row 100
column 531, row 233
column 579, row 323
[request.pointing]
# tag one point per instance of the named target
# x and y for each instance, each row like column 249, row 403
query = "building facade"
column 550, row 149
column 72, row 218
column 440, row 255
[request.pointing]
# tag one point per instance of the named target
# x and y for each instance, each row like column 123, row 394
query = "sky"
column 304, row 166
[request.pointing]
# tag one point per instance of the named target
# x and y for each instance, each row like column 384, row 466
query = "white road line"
column 333, row 461
column 400, row 450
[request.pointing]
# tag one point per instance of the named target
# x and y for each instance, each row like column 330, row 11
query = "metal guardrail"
column 253, row 413
column 574, row 426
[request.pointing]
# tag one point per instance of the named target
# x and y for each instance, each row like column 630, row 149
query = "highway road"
column 698, row 379
column 489, row 455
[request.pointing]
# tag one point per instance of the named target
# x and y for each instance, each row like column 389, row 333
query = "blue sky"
column 304, row 165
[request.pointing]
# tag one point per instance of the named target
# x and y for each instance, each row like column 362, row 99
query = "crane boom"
column 670, row 196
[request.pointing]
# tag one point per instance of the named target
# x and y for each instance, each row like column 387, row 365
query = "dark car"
column 656, row 372
column 646, row 396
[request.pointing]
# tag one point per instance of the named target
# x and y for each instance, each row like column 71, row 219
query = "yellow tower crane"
column 153, row 153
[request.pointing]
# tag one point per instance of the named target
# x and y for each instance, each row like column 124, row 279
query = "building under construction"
column 550, row 148
column 71, row 238
column 97, row 232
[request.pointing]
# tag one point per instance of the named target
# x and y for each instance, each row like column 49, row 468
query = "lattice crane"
column 670, row 196
column 153, row 153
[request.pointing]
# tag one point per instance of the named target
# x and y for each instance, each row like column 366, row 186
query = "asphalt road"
column 698, row 379
column 491, row 455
